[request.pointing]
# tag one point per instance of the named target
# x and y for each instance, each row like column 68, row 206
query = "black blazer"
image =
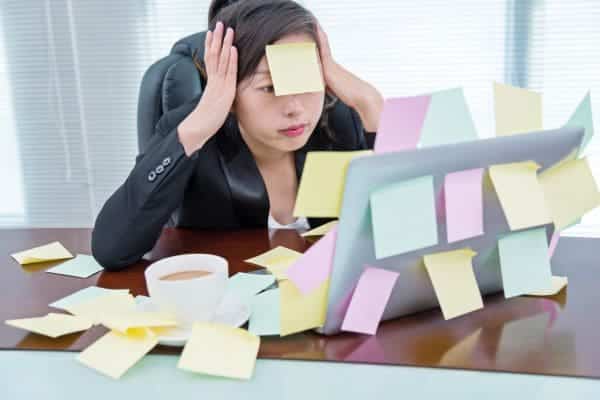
column 218, row 186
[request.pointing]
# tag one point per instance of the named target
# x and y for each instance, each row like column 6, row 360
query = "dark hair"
column 258, row 23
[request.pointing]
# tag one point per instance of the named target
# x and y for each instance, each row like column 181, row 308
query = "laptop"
column 413, row 291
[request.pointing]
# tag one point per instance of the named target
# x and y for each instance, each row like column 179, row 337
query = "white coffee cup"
column 190, row 300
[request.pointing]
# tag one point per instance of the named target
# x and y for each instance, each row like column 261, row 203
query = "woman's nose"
column 293, row 105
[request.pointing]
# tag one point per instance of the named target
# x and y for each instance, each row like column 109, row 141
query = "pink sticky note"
column 314, row 267
column 369, row 300
column 553, row 243
column 401, row 123
column 464, row 204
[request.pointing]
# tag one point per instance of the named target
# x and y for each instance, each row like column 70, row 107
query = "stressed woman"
column 232, row 157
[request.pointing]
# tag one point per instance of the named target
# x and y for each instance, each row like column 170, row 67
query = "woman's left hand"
column 349, row 88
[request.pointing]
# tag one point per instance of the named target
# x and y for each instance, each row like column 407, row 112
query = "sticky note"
column 463, row 198
column 322, row 184
column 461, row 352
column 520, row 194
column 221, row 350
column 403, row 217
column 321, row 230
column 264, row 319
column 453, row 279
column 294, row 68
column 96, row 308
column 517, row 110
column 553, row 243
column 558, row 283
column 582, row 116
column 82, row 266
column 114, row 353
column 448, row 119
column 83, row 295
column 570, row 191
column 276, row 261
column 524, row 262
column 368, row 302
column 125, row 322
column 244, row 286
column 300, row 312
column 314, row 267
column 400, row 123
column 52, row 325
column 48, row 252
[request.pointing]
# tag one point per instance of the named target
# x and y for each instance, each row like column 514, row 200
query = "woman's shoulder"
column 346, row 126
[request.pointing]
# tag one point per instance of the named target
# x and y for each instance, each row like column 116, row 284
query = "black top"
column 218, row 186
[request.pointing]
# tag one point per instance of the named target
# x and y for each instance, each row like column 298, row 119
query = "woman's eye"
column 267, row 89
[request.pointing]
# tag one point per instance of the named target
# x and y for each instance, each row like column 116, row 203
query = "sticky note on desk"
column 264, row 319
column 322, row 184
column 321, row 230
column 126, row 322
column 403, row 217
column 453, row 279
column 98, row 307
column 314, row 267
column 448, row 119
column 521, row 194
column 82, row 266
column 276, row 260
column 220, row 350
column 83, row 295
column 401, row 123
column 244, row 286
column 368, row 302
column 517, row 110
column 524, row 262
column 570, row 191
column 114, row 353
column 300, row 312
column 294, row 68
column 52, row 325
column 48, row 252
column 582, row 116
column 463, row 198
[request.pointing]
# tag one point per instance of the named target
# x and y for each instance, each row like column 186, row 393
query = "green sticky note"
column 264, row 319
column 403, row 217
column 524, row 262
column 82, row 266
column 583, row 117
column 244, row 286
column 448, row 119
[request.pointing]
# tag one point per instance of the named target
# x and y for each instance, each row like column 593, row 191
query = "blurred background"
column 70, row 72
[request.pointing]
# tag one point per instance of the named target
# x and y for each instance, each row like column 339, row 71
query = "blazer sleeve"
column 132, row 218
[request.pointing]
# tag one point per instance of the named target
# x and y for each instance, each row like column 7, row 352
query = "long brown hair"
column 258, row 23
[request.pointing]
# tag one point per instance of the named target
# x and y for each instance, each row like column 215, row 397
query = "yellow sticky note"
column 322, row 184
column 453, row 280
column 516, row 110
column 558, row 283
column 114, row 353
column 48, row 252
column 300, row 312
column 570, row 191
column 294, row 68
column 321, row 230
column 104, row 305
column 52, row 325
column 221, row 350
column 125, row 322
column 277, row 255
column 520, row 193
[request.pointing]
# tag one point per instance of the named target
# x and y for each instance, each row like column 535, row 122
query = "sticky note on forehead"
column 294, row 68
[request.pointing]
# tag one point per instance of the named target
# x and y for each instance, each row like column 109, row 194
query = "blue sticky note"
column 448, row 119
column 403, row 217
column 264, row 319
column 244, row 286
column 524, row 262
column 82, row 266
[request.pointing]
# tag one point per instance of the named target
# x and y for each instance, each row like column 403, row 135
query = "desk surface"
column 554, row 335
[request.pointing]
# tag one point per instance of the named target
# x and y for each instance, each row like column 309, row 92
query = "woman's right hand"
column 220, row 58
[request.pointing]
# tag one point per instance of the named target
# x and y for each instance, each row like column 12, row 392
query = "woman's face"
column 263, row 117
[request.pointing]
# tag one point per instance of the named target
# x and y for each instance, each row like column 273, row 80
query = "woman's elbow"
column 109, row 256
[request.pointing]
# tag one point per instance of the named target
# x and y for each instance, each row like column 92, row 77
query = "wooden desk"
column 555, row 335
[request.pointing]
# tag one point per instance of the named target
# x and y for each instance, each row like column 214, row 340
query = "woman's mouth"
column 293, row 131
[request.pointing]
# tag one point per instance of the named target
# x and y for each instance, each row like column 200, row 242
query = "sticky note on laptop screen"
column 520, row 194
column 524, row 262
column 463, row 198
column 582, row 117
column 453, row 279
column 294, row 68
column 517, row 110
column 403, row 217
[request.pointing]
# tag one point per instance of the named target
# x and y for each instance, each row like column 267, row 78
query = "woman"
column 232, row 157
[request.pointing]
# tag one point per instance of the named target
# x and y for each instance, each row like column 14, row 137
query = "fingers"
column 232, row 67
column 225, row 52
column 218, row 50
